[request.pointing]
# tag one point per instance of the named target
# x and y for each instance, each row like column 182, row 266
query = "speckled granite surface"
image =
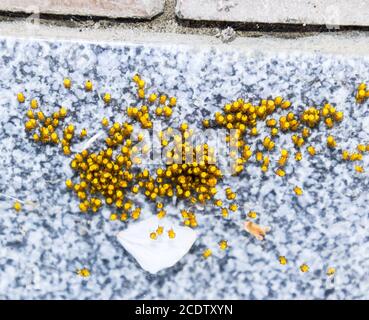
column 42, row 246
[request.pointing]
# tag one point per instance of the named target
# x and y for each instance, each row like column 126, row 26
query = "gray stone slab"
column 109, row 8
column 328, row 12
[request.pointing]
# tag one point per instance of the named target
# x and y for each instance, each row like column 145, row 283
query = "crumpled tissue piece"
column 159, row 254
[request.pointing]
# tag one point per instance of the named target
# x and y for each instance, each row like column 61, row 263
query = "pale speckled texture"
column 40, row 248
column 314, row 12
column 113, row 9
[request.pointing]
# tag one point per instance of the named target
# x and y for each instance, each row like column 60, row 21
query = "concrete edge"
column 346, row 43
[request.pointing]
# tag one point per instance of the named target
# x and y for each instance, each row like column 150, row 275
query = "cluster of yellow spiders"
column 109, row 175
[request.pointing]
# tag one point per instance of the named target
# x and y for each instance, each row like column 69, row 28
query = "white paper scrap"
column 156, row 255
